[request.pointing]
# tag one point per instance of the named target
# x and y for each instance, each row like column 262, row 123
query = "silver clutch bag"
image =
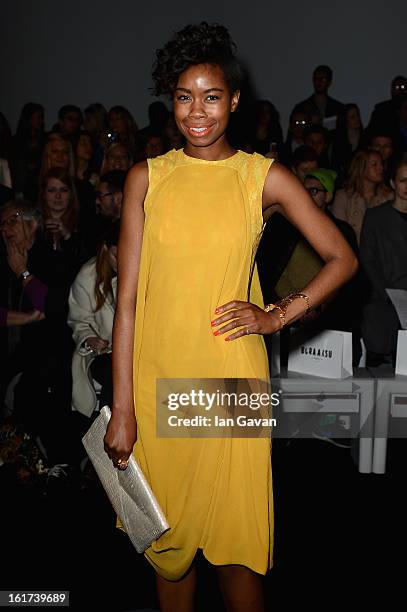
column 128, row 490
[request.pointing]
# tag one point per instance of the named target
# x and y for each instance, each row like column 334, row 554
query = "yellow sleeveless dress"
column 203, row 221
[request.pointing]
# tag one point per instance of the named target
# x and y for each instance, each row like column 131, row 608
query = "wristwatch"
column 24, row 275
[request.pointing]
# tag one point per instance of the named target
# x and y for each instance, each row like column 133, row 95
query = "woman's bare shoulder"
column 278, row 179
column 137, row 182
column 138, row 173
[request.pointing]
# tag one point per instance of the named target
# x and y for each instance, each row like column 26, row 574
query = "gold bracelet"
column 281, row 314
column 305, row 297
column 283, row 304
column 292, row 296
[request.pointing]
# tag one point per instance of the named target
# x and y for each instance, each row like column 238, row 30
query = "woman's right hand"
column 122, row 430
column 121, row 435
column 57, row 228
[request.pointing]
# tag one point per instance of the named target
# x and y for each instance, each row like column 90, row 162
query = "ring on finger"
column 122, row 464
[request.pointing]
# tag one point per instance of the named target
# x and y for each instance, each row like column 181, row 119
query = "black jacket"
column 383, row 255
column 333, row 107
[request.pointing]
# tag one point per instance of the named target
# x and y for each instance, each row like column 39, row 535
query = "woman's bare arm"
column 122, row 431
column 284, row 193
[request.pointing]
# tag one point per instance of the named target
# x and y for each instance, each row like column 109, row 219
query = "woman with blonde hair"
column 364, row 188
column 91, row 310
column 117, row 157
column 57, row 154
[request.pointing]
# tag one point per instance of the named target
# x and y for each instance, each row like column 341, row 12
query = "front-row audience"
column 59, row 254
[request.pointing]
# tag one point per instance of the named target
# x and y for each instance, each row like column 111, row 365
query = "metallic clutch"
column 128, row 490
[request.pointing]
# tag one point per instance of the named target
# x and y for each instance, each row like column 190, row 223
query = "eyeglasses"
column 10, row 221
column 401, row 87
column 313, row 191
column 54, row 190
column 100, row 195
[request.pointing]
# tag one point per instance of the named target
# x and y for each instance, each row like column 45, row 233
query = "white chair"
column 302, row 394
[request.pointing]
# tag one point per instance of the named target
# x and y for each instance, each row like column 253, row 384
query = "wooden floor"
column 340, row 537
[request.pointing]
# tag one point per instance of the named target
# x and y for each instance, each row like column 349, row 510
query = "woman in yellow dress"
column 191, row 223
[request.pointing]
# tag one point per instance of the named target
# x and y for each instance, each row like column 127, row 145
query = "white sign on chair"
column 327, row 354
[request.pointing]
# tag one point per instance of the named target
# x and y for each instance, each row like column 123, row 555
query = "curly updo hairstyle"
column 203, row 43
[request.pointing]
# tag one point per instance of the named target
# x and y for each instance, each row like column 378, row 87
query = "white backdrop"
column 56, row 52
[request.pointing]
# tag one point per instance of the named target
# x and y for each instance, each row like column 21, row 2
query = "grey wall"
column 55, row 53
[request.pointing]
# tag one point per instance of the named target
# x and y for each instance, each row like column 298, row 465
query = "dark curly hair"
column 203, row 43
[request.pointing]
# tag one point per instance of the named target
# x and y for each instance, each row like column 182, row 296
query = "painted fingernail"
column 217, row 310
column 213, row 322
column 216, row 333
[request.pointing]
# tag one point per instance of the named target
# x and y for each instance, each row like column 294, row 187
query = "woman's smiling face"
column 202, row 105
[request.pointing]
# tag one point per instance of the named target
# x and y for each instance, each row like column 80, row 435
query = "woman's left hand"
column 249, row 318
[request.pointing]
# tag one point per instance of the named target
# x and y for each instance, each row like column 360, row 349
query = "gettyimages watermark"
column 293, row 407
column 215, row 407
